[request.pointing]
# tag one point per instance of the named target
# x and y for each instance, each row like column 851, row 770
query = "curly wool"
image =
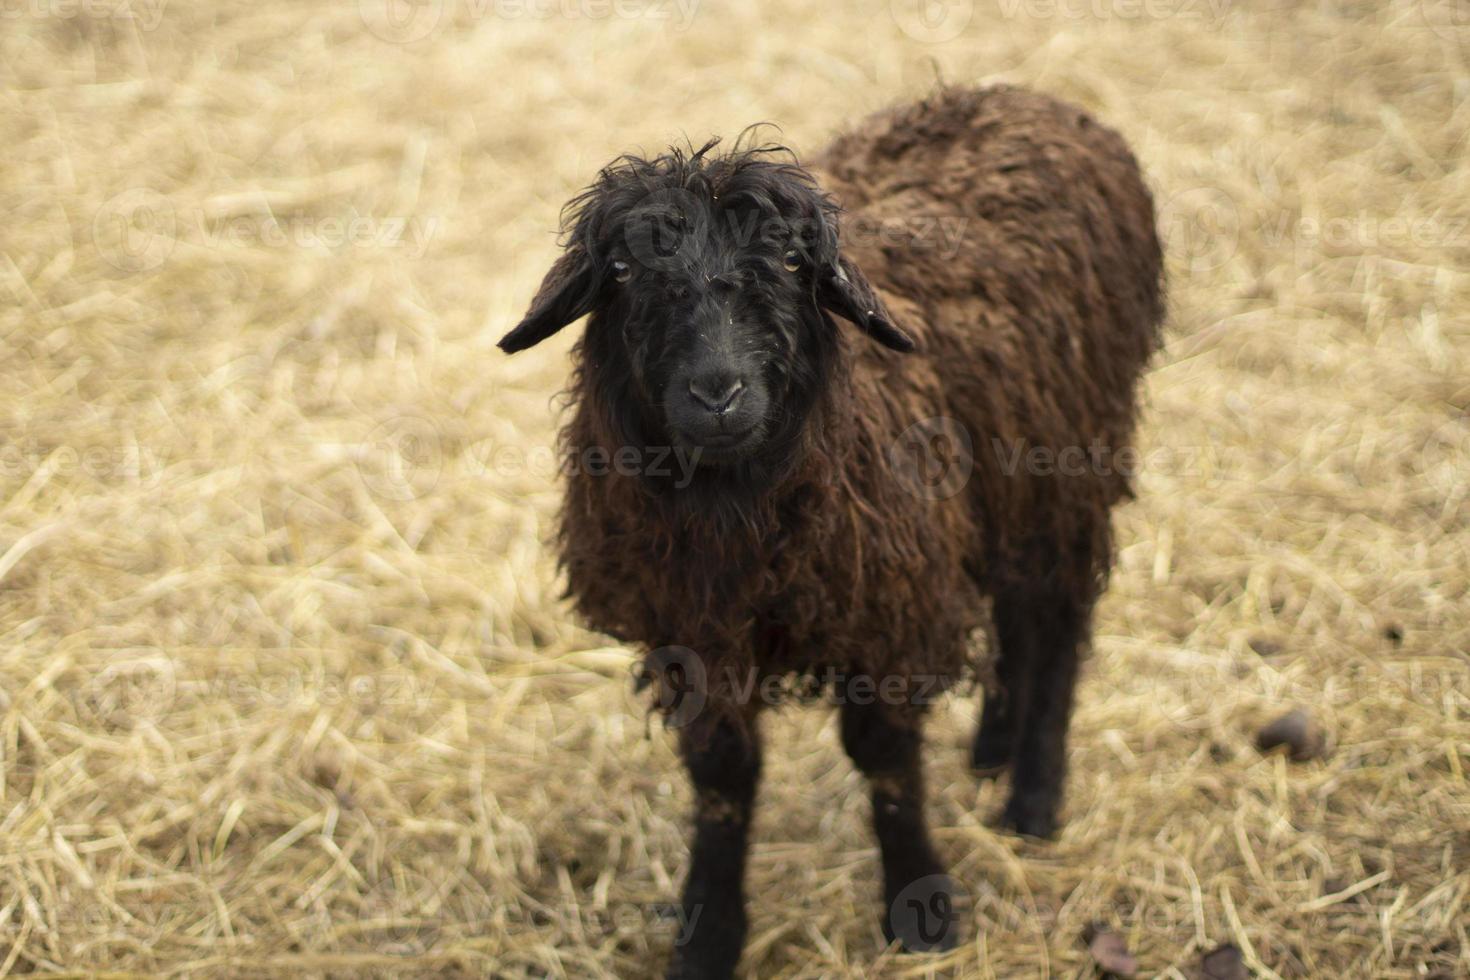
column 1031, row 332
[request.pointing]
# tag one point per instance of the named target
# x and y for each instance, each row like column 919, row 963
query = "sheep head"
column 708, row 278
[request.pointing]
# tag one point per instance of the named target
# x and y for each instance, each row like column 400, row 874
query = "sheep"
column 854, row 503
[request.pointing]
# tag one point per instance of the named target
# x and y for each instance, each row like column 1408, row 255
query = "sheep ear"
column 844, row 290
column 566, row 294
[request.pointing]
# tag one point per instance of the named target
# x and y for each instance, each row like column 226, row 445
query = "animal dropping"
column 1296, row 733
column 1223, row 963
column 1110, row 951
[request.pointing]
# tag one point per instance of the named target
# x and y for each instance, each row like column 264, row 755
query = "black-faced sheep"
column 851, row 500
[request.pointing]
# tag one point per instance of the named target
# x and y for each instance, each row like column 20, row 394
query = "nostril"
column 717, row 395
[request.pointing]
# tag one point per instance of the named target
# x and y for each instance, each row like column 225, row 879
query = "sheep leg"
column 1043, row 636
column 724, row 766
column 995, row 740
column 886, row 744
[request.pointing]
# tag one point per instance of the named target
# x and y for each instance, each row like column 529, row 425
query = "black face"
column 714, row 301
column 706, row 278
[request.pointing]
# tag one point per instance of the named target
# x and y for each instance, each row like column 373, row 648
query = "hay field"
column 286, row 688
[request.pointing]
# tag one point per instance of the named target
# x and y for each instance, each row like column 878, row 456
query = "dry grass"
column 285, row 686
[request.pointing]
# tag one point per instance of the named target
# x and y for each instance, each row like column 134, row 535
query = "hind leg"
column 995, row 739
column 1041, row 634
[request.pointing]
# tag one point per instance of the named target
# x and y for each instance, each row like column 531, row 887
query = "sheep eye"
column 791, row 260
column 621, row 272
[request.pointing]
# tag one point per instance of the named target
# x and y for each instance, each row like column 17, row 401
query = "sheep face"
column 708, row 279
column 710, row 301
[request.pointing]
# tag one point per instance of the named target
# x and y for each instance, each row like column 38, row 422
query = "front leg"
column 722, row 754
column 886, row 743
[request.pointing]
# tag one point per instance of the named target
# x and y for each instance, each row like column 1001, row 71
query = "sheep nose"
column 718, row 393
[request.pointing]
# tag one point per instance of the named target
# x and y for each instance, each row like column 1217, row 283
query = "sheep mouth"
column 722, row 448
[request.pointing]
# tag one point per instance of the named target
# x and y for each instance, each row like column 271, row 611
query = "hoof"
column 1031, row 816
column 702, row 965
column 709, row 943
column 990, row 755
